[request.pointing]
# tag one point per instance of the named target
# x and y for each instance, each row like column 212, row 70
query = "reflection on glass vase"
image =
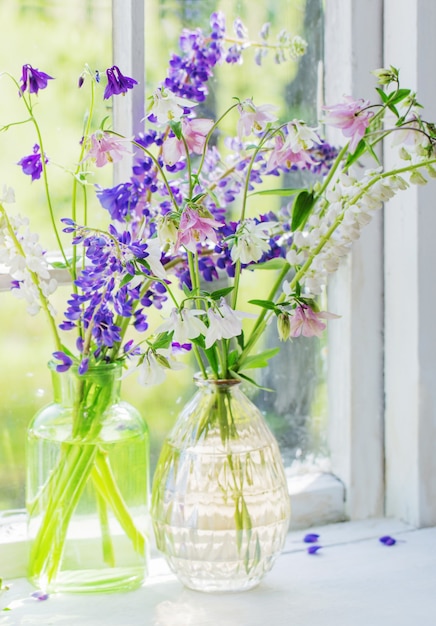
column 87, row 487
column 220, row 503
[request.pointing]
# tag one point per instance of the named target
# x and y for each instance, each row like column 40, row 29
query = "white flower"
column 300, row 136
column 185, row 325
column 169, row 107
column 153, row 258
column 295, row 258
column 154, row 365
column 8, row 195
column 167, row 232
column 251, row 241
column 224, row 323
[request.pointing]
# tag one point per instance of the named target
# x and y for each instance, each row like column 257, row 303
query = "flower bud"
column 283, row 326
column 385, row 75
column 417, row 178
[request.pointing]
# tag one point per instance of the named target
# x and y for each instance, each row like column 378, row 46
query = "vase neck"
column 66, row 385
column 212, row 384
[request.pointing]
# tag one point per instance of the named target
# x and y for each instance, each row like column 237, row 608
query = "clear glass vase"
column 87, row 487
column 220, row 503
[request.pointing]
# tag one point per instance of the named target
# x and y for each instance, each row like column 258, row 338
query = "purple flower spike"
column 311, row 538
column 33, row 80
column 313, row 549
column 40, row 595
column 117, row 83
column 65, row 361
column 387, row 540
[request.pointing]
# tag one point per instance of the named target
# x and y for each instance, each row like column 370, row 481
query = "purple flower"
column 65, row 361
column 32, row 164
column 117, row 83
column 313, row 549
column 387, row 540
column 83, row 367
column 33, row 80
column 311, row 538
column 120, row 200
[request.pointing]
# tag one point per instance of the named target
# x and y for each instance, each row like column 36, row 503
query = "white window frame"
column 382, row 364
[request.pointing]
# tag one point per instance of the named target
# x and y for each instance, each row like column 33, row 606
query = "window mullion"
column 355, row 368
column 128, row 54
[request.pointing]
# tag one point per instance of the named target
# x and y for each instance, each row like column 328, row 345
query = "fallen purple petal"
column 313, row 549
column 311, row 538
column 40, row 595
column 387, row 540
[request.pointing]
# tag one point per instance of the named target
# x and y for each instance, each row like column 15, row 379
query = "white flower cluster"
column 23, row 257
column 346, row 208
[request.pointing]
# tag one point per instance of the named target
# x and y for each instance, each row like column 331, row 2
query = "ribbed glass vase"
column 220, row 503
column 88, row 487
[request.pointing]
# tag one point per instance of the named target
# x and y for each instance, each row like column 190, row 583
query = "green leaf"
column 60, row 265
column 210, row 353
column 162, row 340
column 186, row 290
column 221, row 293
column 176, row 127
column 260, row 360
column 382, row 94
column 241, row 376
column 127, row 278
column 265, row 304
column 289, row 191
column 302, row 207
column 360, row 149
column 398, row 96
column 232, row 358
column 272, row 264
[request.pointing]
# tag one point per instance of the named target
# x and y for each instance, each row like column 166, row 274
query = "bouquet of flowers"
column 188, row 218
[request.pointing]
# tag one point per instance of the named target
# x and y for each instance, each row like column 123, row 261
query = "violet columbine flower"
column 33, row 80
column 65, row 361
column 117, row 83
column 32, row 164
column 351, row 116
column 311, row 538
column 194, row 132
column 105, row 148
column 313, row 549
column 194, row 229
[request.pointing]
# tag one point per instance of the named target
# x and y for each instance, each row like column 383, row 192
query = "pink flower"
column 195, row 132
column 283, row 155
column 253, row 118
column 307, row 322
column 194, row 229
column 351, row 116
column 105, row 148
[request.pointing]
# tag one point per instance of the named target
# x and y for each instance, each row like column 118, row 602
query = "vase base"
column 219, row 586
column 93, row 581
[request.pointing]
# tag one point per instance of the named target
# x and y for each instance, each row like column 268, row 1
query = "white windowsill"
column 316, row 499
column 354, row 580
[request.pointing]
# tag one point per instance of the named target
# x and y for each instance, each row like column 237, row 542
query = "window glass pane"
column 296, row 409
